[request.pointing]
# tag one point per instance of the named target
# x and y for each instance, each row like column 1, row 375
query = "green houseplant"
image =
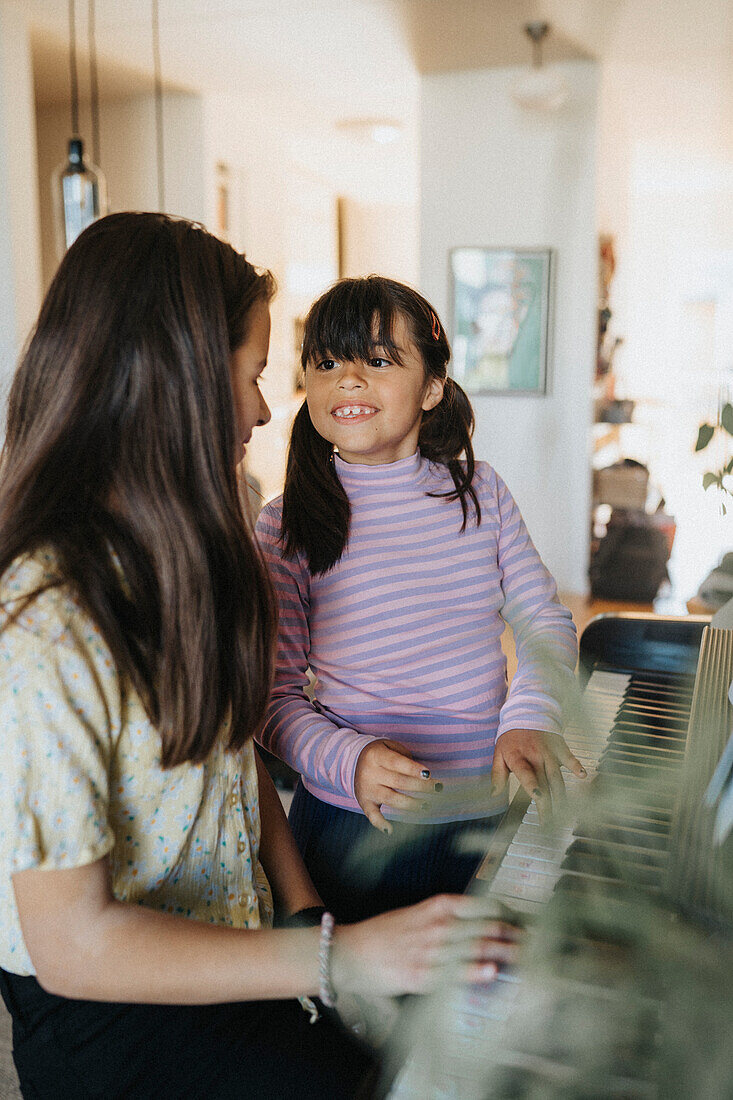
column 721, row 478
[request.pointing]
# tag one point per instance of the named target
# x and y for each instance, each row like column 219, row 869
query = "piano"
column 628, row 904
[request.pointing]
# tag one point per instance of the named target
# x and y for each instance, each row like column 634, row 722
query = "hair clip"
column 436, row 326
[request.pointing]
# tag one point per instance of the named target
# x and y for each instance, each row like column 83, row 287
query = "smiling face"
column 246, row 365
column 372, row 410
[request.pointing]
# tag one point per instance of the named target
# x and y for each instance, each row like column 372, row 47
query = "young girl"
column 395, row 564
column 141, row 842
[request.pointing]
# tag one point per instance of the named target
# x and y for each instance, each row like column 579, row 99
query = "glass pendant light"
column 78, row 187
column 80, row 195
column 540, row 88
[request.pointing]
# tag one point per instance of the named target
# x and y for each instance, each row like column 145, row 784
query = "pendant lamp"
column 78, row 187
column 540, row 88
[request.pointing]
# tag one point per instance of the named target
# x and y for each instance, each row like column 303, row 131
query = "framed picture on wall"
column 501, row 305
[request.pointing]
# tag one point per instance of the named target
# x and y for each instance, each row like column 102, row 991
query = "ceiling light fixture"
column 78, row 187
column 541, row 88
column 382, row 131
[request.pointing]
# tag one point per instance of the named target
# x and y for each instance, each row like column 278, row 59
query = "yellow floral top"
column 80, row 778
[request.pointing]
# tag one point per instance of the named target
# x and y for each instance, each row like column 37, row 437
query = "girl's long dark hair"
column 120, row 456
column 347, row 322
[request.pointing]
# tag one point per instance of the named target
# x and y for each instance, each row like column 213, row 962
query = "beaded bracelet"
column 327, row 993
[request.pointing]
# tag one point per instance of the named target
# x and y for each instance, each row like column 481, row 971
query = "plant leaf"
column 726, row 418
column 709, row 479
column 704, row 435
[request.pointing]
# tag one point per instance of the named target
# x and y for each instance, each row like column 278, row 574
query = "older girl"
column 142, row 846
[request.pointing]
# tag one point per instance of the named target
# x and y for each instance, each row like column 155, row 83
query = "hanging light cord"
column 158, row 107
column 72, row 71
column 94, row 83
column 537, row 32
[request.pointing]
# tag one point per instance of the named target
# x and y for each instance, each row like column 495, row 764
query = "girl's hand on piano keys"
column 535, row 758
column 410, row 950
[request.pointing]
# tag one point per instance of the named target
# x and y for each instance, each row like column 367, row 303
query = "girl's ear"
column 433, row 393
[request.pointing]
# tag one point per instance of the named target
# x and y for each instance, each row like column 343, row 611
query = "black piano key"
column 675, row 727
column 661, row 681
column 648, row 703
column 651, row 764
column 651, row 753
column 609, row 888
column 600, row 863
column 651, row 749
column 645, row 741
column 646, row 837
column 630, row 721
column 584, row 854
column 613, row 766
column 645, row 791
column 661, row 729
column 615, row 851
column 663, row 693
column 659, row 819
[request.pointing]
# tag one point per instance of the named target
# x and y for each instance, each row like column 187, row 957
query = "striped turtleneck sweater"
column 403, row 636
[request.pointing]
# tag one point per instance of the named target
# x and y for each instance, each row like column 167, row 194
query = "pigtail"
column 445, row 435
column 316, row 511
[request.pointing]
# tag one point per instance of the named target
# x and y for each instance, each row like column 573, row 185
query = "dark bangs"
column 351, row 319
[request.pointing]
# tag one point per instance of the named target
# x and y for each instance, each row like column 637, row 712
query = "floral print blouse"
column 80, row 778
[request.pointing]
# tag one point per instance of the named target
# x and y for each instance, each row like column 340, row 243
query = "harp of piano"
column 652, row 722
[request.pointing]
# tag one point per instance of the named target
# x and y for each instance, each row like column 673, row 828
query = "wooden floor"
column 583, row 609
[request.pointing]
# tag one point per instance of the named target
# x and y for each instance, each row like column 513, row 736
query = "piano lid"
column 636, row 641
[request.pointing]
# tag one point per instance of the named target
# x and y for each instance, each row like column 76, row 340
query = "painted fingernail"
column 537, row 792
column 425, row 773
column 385, row 830
column 583, row 772
column 439, row 786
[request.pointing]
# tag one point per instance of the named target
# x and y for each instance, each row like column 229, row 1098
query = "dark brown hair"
column 119, row 455
column 348, row 322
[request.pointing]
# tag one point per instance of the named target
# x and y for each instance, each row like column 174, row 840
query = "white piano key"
column 532, row 851
column 525, row 906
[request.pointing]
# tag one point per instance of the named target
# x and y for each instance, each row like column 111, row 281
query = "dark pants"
column 69, row 1050
column 360, row 872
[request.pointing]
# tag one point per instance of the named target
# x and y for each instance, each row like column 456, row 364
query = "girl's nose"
column 352, row 377
column 265, row 414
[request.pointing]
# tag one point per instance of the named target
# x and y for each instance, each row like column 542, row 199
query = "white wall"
column 19, row 239
column 492, row 174
column 128, row 156
column 285, row 184
column 379, row 237
column 283, row 216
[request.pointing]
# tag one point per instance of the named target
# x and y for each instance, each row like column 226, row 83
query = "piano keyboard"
column 466, row 1043
column 636, row 738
